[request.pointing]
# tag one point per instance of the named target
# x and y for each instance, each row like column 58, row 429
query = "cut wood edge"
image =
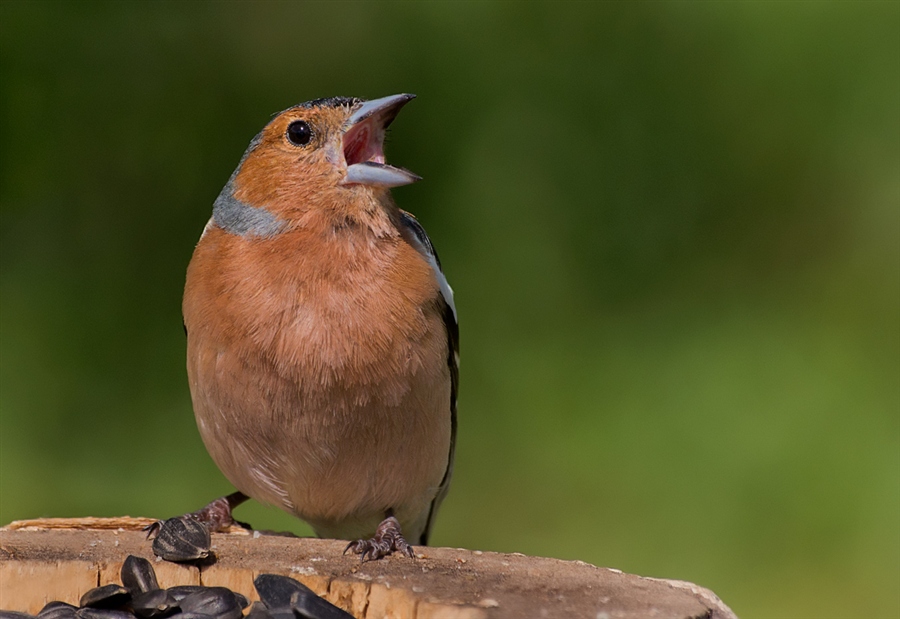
column 123, row 523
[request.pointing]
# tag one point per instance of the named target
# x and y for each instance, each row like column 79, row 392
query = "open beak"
column 363, row 144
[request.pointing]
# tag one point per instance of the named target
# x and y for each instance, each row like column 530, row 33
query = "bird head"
column 326, row 152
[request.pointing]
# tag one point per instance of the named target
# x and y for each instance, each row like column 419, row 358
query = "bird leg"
column 217, row 515
column 388, row 539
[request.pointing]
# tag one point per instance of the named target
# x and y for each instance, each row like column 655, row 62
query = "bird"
column 322, row 336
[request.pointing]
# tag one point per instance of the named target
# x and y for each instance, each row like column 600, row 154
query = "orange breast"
column 317, row 362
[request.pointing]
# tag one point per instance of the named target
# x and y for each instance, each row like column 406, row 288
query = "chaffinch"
column 322, row 341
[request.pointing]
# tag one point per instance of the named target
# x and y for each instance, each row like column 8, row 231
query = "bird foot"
column 387, row 540
column 217, row 515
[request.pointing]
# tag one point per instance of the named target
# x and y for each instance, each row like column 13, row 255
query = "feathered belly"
column 321, row 383
column 337, row 438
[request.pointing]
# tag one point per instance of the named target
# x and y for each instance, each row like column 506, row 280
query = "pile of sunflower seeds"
column 139, row 595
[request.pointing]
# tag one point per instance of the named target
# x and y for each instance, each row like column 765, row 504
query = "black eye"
column 299, row 133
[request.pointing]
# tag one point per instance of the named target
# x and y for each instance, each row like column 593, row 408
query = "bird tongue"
column 363, row 144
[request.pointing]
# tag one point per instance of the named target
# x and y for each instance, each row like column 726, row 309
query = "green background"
column 673, row 230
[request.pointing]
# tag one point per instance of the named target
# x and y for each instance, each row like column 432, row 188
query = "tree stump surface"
column 59, row 559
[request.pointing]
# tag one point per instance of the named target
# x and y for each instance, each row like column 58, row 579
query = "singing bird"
column 322, row 339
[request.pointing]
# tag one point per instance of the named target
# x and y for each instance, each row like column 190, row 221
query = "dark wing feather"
column 423, row 244
column 453, row 361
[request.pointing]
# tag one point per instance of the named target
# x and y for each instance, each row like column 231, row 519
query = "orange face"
column 327, row 149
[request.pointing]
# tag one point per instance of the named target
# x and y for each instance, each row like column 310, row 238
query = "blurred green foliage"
column 673, row 230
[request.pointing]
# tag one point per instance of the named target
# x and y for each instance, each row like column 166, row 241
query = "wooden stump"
column 59, row 559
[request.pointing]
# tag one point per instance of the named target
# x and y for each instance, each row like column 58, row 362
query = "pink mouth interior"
column 364, row 142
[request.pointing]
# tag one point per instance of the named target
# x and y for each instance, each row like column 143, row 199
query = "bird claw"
column 387, row 540
column 153, row 528
column 217, row 515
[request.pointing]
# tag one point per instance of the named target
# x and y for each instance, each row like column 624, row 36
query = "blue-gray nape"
column 240, row 218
